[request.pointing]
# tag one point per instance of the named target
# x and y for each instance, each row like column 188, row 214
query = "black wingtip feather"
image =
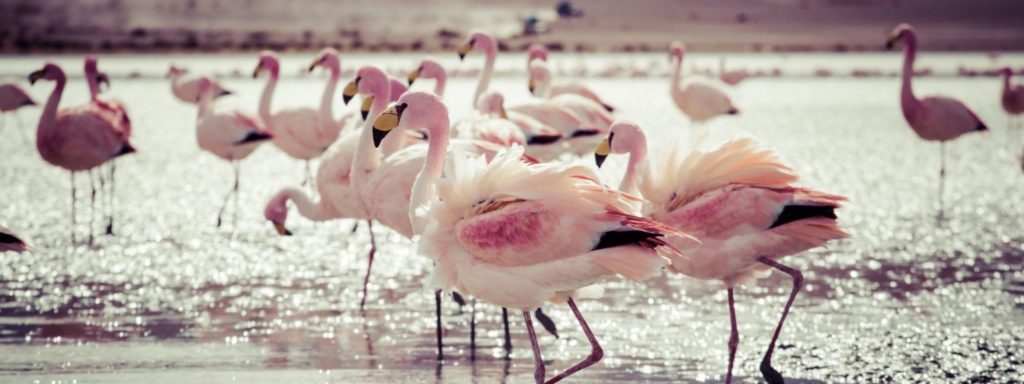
column 619, row 238
column 546, row 322
column 255, row 136
column 793, row 213
column 9, row 239
column 543, row 139
column 584, row 133
column 981, row 127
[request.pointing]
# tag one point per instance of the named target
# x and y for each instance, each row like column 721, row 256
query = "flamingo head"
column 428, row 69
column 50, row 71
column 412, row 111
column 277, row 213
column 492, row 103
column 175, row 71
column 536, row 51
column 1006, row 72
column 676, row 50
column 540, row 77
column 623, row 135
column 370, row 81
column 327, row 58
column 397, row 88
column 267, row 62
column 479, row 41
column 902, row 32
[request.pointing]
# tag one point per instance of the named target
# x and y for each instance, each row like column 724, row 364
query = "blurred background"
column 433, row 25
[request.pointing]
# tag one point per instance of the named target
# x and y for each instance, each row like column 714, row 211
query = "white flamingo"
column 540, row 52
column 697, row 99
column 187, row 89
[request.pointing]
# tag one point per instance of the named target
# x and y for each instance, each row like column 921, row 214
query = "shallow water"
column 173, row 299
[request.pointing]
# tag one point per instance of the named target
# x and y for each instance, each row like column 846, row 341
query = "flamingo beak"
column 281, row 230
column 365, row 108
column 32, row 77
column 350, row 90
column 532, row 86
column 256, row 72
column 386, row 122
column 465, row 48
column 502, row 113
column 891, row 41
column 603, row 150
column 316, row 63
column 414, row 75
column 102, row 79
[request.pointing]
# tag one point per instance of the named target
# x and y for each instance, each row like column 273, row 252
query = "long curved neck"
column 267, row 96
column 1006, row 82
column 440, row 82
column 327, row 101
column 437, row 150
column 637, row 159
column 677, row 73
column 49, row 115
column 313, row 210
column 485, row 75
column 908, row 101
column 367, row 159
column 94, row 86
column 205, row 100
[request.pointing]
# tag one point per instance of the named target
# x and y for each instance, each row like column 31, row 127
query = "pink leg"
column 596, row 353
column 369, row 264
column 769, row 373
column 734, row 336
column 538, row 361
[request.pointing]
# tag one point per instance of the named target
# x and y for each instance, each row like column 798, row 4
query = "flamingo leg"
column 437, row 309
column 942, row 177
column 355, row 226
column 734, row 337
column 596, row 353
column 770, row 374
column 472, row 329
column 369, row 264
column 508, row 338
column 72, row 208
column 538, row 361
column 92, row 204
column 224, row 204
column 236, row 192
column 110, row 205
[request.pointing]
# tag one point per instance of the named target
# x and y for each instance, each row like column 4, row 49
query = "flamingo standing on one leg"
column 10, row 242
column 540, row 52
column 933, row 118
column 518, row 235
column 94, row 78
column 738, row 200
column 76, row 139
column 187, row 90
column 697, row 99
column 12, row 98
column 1013, row 102
column 231, row 136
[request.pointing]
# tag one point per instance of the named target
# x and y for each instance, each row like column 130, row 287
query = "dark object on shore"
column 566, row 9
column 534, row 26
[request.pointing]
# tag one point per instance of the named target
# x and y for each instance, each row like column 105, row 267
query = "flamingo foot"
column 549, row 325
column 770, row 374
column 596, row 352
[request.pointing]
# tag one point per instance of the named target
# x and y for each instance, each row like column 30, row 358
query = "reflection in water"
column 904, row 300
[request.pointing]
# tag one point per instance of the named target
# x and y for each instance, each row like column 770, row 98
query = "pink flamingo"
column 697, row 99
column 231, row 136
column 302, row 133
column 540, row 52
column 118, row 114
column 732, row 77
column 518, row 235
column 187, row 90
column 10, row 242
column 76, row 139
column 430, row 69
column 933, row 118
column 738, row 200
column 1013, row 99
column 12, row 98
column 589, row 111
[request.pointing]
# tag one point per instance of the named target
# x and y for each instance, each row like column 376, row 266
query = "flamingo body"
column 187, row 89
column 696, row 98
column 13, row 96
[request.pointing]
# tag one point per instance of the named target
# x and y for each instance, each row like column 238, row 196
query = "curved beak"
column 501, row 112
column 386, row 122
column 256, row 72
column 32, row 77
column 224, row 92
column 414, row 75
column 364, row 109
column 281, row 230
column 602, row 151
column 102, row 79
column 316, row 63
column 532, row 86
column 350, row 90
column 464, row 49
column 891, row 41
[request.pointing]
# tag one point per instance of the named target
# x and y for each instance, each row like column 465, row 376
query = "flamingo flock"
column 499, row 200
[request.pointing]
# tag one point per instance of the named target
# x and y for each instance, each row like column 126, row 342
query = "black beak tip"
column 378, row 136
column 888, row 45
column 224, row 92
column 462, row 56
column 287, row 232
column 346, row 98
column 365, row 114
column 599, row 160
column 411, row 81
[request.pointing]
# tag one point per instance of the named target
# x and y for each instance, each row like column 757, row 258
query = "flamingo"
column 540, row 52
column 1013, row 98
column 933, row 118
column 590, row 112
column 697, row 99
column 302, row 133
column 76, row 139
column 187, row 90
column 732, row 77
column 10, row 242
column 118, row 113
column 517, row 235
column 229, row 135
column 581, row 137
column 739, row 201
column 12, row 98
column 430, row 69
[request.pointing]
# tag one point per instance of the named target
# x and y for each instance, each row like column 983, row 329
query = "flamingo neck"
column 433, row 167
column 205, row 99
column 266, row 97
column 485, row 76
column 94, row 86
column 908, row 101
column 637, row 159
column 440, row 81
column 367, row 159
column 1006, row 82
column 677, row 73
column 312, row 210
column 327, row 101
column 49, row 115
